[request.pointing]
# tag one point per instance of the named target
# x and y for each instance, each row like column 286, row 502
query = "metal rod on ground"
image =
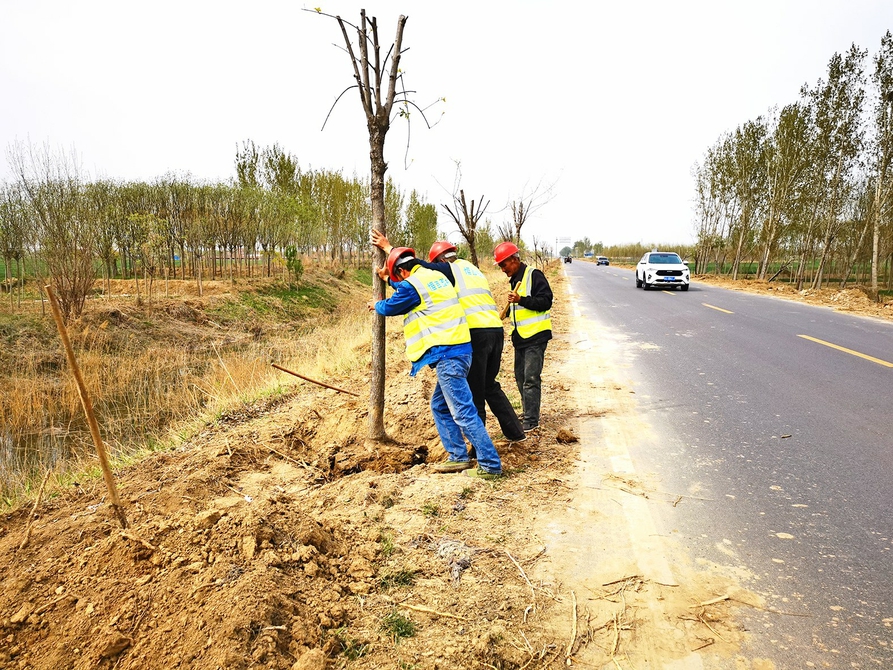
column 88, row 409
column 313, row 381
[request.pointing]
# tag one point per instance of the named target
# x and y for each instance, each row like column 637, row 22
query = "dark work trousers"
column 486, row 348
column 528, row 376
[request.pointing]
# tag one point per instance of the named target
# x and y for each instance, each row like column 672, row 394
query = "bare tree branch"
column 527, row 204
column 465, row 217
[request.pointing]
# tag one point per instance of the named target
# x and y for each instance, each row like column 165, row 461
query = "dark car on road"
column 568, row 259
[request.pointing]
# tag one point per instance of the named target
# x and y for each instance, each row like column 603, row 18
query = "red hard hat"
column 396, row 254
column 504, row 250
column 438, row 248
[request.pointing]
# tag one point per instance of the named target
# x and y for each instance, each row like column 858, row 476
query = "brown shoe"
column 451, row 466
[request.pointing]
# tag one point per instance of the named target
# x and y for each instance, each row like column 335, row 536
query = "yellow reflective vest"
column 438, row 319
column 527, row 322
column 474, row 296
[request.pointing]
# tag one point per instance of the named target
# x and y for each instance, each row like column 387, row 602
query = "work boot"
column 483, row 474
column 451, row 466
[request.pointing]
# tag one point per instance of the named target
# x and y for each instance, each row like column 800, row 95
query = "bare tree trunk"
column 875, row 239
column 377, row 380
column 890, row 271
column 8, row 283
column 849, row 268
column 736, row 263
column 198, row 274
column 771, row 224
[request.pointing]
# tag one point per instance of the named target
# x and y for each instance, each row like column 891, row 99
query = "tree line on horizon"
column 806, row 189
column 56, row 223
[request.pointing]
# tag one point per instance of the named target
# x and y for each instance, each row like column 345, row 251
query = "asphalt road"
column 776, row 418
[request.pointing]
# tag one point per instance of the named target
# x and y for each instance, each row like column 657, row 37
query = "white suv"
column 662, row 268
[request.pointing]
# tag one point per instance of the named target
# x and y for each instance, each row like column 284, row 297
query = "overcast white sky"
column 612, row 102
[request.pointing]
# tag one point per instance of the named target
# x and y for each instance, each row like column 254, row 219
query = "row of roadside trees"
column 806, row 189
column 56, row 223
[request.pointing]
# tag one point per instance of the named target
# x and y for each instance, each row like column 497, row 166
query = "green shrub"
column 293, row 263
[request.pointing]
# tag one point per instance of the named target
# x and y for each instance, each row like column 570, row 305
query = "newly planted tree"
column 377, row 77
column 527, row 203
column 466, row 216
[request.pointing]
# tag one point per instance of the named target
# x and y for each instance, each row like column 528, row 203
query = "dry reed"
column 145, row 384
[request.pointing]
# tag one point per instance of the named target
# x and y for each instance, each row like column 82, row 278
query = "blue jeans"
column 455, row 415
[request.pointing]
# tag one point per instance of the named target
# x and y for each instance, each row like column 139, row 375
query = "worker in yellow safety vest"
column 487, row 333
column 530, row 302
column 437, row 336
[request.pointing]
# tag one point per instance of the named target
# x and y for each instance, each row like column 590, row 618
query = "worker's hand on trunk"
column 380, row 241
column 382, row 273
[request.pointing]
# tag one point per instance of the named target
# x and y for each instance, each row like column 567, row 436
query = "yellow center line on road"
column 848, row 351
column 718, row 309
column 669, row 292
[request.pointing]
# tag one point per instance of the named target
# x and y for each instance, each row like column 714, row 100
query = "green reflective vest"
column 438, row 319
column 527, row 322
column 475, row 297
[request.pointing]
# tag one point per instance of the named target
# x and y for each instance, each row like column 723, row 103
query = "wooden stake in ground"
column 88, row 409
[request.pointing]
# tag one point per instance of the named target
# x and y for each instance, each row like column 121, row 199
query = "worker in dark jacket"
column 487, row 334
column 530, row 300
column 437, row 335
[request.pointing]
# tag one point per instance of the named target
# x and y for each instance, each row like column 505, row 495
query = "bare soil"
column 279, row 537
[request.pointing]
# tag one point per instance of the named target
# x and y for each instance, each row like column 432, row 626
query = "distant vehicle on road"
column 568, row 259
column 602, row 260
column 662, row 268
column 587, row 254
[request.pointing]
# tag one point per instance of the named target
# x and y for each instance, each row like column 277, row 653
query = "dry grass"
column 151, row 376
